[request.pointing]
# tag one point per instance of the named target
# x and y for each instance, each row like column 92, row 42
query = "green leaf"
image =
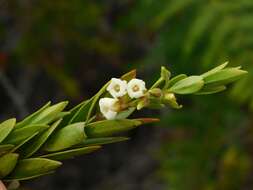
column 19, row 135
column 142, row 103
column 175, row 105
column 73, row 111
column 66, row 137
column 95, row 100
column 7, row 164
column 165, row 75
column 61, row 115
column 36, row 144
column 71, row 153
column 211, row 90
column 175, row 79
column 5, row 148
column 82, row 113
column 11, row 179
column 126, row 113
column 224, row 76
column 170, row 99
column 102, row 141
column 24, row 142
column 50, row 114
column 31, row 117
column 6, row 127
column 188, row 85
column 33, row 167
column 214, row 70
column 109, row 127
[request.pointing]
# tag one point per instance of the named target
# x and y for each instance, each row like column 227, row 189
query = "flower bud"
column 157, row 92
column 109, row 107
column 170, row 98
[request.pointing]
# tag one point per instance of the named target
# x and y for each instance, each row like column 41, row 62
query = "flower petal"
column 108, row 107
column 136, row 88
column 117, row 87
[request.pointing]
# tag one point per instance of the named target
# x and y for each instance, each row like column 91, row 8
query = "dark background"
column 66, row 50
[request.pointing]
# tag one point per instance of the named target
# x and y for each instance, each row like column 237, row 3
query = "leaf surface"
column 35, row 145
column 109, row 127
column 7, row 164
column 28, row 120
column 33, row 167
column 71, row 153
column 19, row 135
column 66, row 137
column 188, row 85
column 6, row 127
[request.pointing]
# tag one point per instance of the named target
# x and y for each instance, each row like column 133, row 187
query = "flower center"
column 136, row 88
column 117, row 88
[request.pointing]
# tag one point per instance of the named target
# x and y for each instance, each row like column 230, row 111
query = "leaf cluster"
column 36, row 145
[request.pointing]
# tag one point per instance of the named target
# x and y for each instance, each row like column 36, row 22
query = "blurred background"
column 66, row 50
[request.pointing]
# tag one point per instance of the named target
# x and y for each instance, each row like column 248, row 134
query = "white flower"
column 117, row 87
column 136, row 88
column 108, row 107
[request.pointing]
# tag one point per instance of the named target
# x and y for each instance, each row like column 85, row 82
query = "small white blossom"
column 117, row 87
column 108, row 107
column 136, row 88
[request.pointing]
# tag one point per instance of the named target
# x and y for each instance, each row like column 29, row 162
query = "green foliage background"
column 79, row 44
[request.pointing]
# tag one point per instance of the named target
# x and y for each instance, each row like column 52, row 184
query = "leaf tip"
column 148, row 120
